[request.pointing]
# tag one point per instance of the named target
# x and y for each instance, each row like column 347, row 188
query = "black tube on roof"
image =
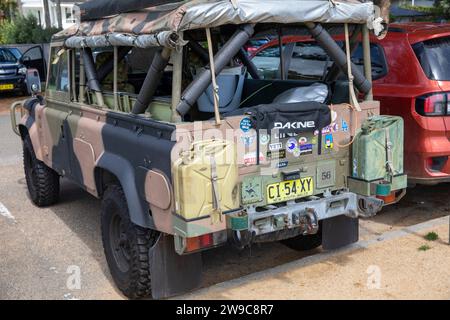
column 97, row 9
column 221, row 59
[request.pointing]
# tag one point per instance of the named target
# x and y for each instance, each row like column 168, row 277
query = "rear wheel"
column 126, row 245
column 42, row 181
column 304, row 243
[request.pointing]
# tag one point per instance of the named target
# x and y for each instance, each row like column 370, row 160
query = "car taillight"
column 436, row 104
column 205, row 241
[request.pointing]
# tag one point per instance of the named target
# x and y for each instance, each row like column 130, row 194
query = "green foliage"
column 443, row 7
column 430, row 10
column 24, row 30
column 8, row 7
column 431, row 236
column 425, row 247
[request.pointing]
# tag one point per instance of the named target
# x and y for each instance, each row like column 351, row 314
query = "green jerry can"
column 377, row 159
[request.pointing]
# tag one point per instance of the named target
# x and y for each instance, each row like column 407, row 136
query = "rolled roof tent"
column 147, row 23
column 93, row 10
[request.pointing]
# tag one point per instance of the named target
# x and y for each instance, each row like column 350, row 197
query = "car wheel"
column 304, row 243
column 42, row 181
column 126, row 245
column 24, row 91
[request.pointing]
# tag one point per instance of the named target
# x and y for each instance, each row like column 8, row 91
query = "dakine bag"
column 290, row 117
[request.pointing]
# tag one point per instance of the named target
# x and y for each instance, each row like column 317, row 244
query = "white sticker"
column 275, row 146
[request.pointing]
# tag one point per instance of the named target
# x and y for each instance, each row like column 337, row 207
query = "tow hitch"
column 302, row 222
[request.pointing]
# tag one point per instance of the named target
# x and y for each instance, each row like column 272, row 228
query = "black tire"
column 304, row 243
column 126, row 245
column 42, row 181
column 24, row 91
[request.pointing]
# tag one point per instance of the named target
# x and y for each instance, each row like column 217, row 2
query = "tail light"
column 436, row 104
column 205, row 241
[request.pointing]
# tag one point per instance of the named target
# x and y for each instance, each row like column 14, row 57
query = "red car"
column 411, row 79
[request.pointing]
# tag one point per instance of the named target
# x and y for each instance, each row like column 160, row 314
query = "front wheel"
column 304, row 243
column 42, row 181
column 126, row 245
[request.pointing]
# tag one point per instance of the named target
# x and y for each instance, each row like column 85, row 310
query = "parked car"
column 411, row 73
column 18, row 72
column 416, row 86
column 253, row 45
column 12, row 72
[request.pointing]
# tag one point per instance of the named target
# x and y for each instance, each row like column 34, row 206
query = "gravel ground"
column 6, row 99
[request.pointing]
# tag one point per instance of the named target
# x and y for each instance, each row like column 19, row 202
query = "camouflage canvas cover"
column 155, row 25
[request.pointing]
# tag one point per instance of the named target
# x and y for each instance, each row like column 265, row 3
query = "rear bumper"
column 273, row 223
column 427, row 138
column 429, row 180
column 305, row 215
column 421, row 171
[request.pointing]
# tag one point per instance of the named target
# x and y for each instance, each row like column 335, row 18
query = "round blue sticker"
column 246, row 124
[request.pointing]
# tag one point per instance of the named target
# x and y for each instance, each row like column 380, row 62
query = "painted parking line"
column 5, row 212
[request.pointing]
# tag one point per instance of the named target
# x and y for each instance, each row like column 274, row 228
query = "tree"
column 9, row 8
column 58, row 13
column 443, row 6
column 384, row 6
column 24, row 30
column 48, row 23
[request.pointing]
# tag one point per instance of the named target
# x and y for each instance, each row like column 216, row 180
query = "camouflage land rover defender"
column 156, row 108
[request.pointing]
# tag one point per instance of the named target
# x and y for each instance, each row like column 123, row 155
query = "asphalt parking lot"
column 42, row 249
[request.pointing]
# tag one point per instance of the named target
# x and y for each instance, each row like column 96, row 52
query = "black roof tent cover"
column 97, row 9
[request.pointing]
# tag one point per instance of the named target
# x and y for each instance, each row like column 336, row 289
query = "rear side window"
column 310, row 61
column 377, row 57
column 434, row 57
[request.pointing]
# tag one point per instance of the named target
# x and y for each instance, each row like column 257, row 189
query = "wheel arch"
column 23, row 130
column 112, row 168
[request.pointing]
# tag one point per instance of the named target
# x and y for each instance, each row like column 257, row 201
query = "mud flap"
column 339, row 231
column 171, row 273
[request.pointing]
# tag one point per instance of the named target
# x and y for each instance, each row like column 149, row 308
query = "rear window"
column 434, row 57
column 310, row 61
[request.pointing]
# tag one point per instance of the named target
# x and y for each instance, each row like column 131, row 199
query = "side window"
column 59, row 73
column 309, row 61
column 268, row 62
column 377, row 56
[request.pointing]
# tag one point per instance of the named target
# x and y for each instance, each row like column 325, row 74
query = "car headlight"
column 22, row 70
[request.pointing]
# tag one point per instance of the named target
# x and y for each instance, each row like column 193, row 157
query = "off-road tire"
column 42, row 181
column 304, row 243
column 126, row 245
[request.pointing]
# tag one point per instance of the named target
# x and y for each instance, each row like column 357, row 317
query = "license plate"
column 289, row 190
column 6, row 86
